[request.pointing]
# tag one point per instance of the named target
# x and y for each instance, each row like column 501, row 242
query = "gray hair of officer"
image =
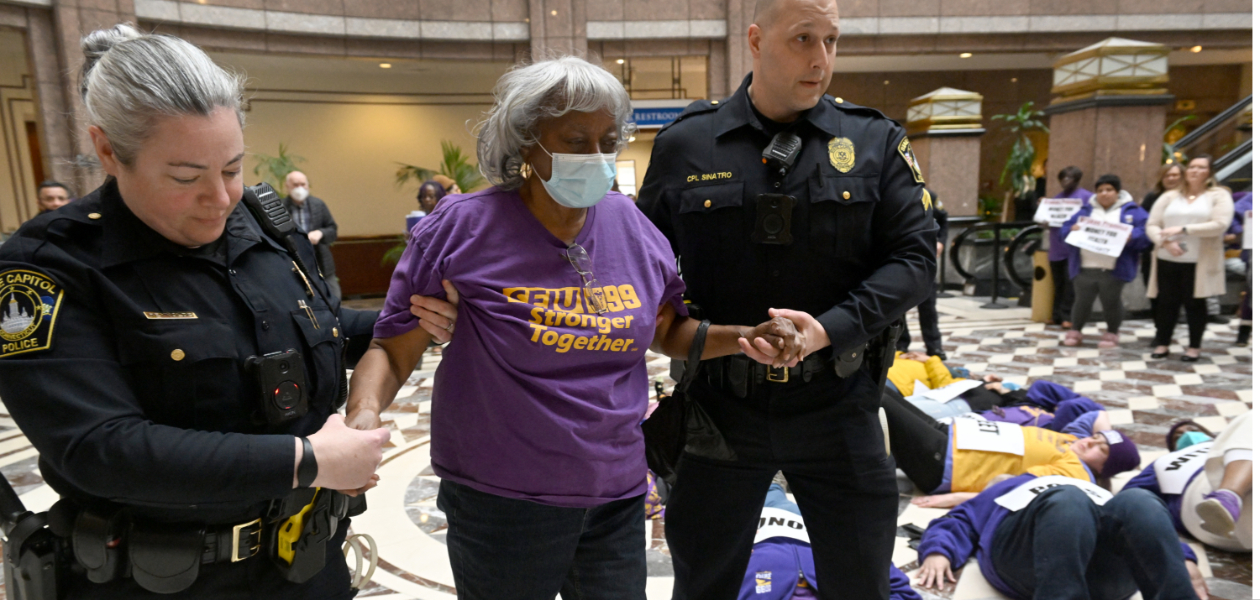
column 531, row 93
column 131, row 79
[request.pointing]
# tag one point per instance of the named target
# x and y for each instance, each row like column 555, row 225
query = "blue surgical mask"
column 580, row 180
column 1191, row 438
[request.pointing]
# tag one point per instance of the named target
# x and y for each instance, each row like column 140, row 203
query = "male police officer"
column 841, row 232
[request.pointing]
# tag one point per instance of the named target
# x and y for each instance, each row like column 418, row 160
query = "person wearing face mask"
column 313, row 218
column 561, row 286
column 1187, row 226
column 1206, row 483
column 133, row 325
column 1100, row 276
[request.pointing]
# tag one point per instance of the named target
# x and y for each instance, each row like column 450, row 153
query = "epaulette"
column 695, row 108
column 858, row 109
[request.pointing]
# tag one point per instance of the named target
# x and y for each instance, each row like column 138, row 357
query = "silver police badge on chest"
column 840, row 151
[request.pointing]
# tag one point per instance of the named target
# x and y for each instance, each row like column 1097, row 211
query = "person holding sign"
column 1187, row 225
column 1070, row 180
column 1097, row 270
column 1206, row 485
column 1057, row 537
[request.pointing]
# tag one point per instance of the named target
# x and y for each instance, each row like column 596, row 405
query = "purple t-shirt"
column 1059, row 249
column 537, row 397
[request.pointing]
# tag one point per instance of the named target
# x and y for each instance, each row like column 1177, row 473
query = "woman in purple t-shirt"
column 562, row 287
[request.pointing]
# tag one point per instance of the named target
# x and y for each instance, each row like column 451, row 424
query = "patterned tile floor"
column 1143, row 397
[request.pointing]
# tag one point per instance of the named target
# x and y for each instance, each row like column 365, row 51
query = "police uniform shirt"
column 122, row 358
column 863, row 249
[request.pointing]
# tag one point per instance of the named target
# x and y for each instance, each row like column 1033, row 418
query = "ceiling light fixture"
column 965, row 55
column 1014, row 79
column 386, row 66
column 621, row 61
column 631, row 139
column 1197, row 49
column 554, row 13
column 886, row 82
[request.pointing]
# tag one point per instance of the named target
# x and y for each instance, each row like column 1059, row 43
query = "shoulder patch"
column 907, row 153
column 29, row 303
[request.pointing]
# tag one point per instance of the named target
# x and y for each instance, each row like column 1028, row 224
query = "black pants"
column 919, row 443
column 825, row 437
column 1098, row 283
column 1062, row 546
column 1063, row 293
column 929, row 325
column 1176, row 289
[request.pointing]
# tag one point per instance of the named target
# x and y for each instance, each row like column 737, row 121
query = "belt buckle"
column 772, row 374
column 256, row 534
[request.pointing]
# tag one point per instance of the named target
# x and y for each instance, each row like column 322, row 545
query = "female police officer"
column 134, row 340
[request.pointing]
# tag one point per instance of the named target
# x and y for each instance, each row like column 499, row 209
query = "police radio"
column 782, row 152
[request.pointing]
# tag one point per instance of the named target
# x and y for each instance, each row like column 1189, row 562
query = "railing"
column 1221, row 136
column 1022, row 241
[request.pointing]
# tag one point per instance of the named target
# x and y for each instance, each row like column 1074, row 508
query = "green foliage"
column 990, row 208
column 454, row 165
column 1017, row 175
column 1170, row 154
column 273, row 169
column 393, row 255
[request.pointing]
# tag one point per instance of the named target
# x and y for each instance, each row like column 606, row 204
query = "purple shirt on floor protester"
column 564, row 388
column 1059, row 249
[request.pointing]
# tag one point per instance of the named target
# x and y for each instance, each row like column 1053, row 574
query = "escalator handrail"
column 974, row 228
column 1232, row 155
column 1008, row 255
column 1202, row 130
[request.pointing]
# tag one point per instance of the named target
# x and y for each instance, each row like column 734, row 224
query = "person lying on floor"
column 1206, row 484
column 960, row 458
column 911, row 368
column 1044, row 404
column 782, row 562
column 1056, row 537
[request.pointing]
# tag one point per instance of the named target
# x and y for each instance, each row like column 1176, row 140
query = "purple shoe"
column 1219, row 511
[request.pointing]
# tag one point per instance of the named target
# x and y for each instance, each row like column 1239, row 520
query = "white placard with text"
column 1175, row 470
column 1247, row 230
column 1056, row 211
column 776, row 522
column 989, row 436
column 1021, row 496
column 1102, row 237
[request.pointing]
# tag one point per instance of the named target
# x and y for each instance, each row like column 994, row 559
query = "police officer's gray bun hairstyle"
column 529, row 93
column 130, row 78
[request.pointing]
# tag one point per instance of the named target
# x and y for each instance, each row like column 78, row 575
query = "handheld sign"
column 1100, row 236
column 1056, row 211
column 1246, row 230
column 1020, row 497
column 1173, row 471
column 776, row 522
column 989, row 436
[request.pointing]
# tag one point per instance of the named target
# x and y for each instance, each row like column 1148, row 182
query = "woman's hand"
column 1196, row 580
column 934, row 571
column 347, row 458
column 1076, row 227
column 1173, row 248
column 942, row 500
column 775, row 342
column 437, row 316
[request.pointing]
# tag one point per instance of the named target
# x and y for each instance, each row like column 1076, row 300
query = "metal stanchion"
column 997, row 258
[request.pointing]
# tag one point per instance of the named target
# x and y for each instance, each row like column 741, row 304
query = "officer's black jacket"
column 150, row 411
column 863, row 251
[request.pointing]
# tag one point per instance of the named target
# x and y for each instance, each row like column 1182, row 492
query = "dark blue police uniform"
column 123, row 359
column 862, row 254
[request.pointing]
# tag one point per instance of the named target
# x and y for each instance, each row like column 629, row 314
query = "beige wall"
column 17, row 107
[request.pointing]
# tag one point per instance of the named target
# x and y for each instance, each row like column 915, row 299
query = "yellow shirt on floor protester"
column 909, row 368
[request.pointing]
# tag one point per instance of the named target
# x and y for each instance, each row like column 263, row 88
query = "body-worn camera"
column 774, row 219
column 281, row 378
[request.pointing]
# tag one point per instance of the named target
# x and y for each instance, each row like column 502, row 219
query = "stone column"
column 557, row 26
column 944, row 127
column 1110, row 113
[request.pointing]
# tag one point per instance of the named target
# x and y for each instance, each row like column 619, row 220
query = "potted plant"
column 454, row 165
column 1017, row 174
column 273, row 169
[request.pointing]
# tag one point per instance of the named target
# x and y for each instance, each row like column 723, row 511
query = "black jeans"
column 1062, row 546
column 919, row 443
column 929, row 325
column 508, row 549
column 1063, row 293
column 1176, row 289
column 826, row 438
column 1098, row 283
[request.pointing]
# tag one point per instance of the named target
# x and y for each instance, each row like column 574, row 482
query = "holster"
column 165, row 559
column 299, row 547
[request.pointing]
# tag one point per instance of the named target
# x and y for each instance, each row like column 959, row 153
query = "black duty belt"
column 232, row 543
column 739, row 374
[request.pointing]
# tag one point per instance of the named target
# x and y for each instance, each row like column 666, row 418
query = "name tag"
column 1020, row 497
column 776, row 522
column 989, row 436
column 1174, row 470
column 171, row 315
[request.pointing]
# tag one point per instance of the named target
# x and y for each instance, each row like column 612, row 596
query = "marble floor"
column 1143, row 398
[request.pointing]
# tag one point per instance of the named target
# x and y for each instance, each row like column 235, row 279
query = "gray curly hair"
column 131, row 78
column 545, row 89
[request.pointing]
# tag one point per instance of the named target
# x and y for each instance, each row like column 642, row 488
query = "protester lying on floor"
column 1056, row 537
column 1044, row 404
column 782, row 562
column 915, row 375
column 1207, row 486
column 1177, row 435
column 966, row 454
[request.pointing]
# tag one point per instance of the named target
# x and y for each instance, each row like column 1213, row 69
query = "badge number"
column 29, row 303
